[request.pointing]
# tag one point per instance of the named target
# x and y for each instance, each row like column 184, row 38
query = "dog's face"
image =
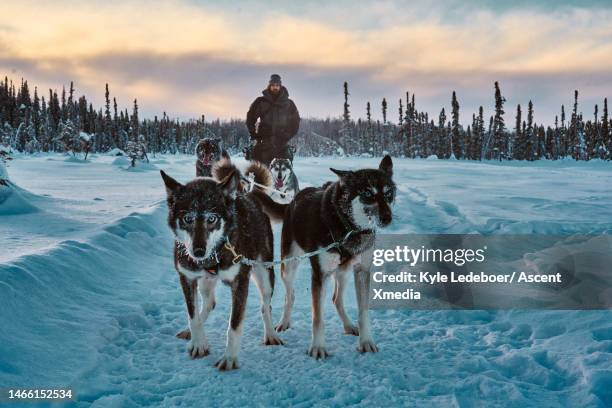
column 368, row 194
column 281, row 169
column 199, row 212
column 208, row 151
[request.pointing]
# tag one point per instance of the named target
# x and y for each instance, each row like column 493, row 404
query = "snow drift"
column 13, row 200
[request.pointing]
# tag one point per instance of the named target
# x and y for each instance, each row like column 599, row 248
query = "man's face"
column 275, row 88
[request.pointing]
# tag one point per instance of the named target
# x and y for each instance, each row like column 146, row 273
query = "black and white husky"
column 285, row 181
column 208, row 152
column 213, row 227
column 357, row 203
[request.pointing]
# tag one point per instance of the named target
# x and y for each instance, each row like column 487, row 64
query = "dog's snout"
column 385, row 218
column 199, row 252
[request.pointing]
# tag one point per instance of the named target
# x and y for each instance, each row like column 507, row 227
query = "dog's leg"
column 240, row 292
column 362, row 290
column 198, row 346
column 288, row 271
column 317, row 347
column 264, row 278
column 207, row 291
column 340, row 277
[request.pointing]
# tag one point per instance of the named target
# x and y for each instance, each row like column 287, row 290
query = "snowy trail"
column 100, row 314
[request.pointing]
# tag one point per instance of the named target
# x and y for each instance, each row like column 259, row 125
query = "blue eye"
column 367, row 194
column 188, row 218
column 389, row 194
column 211, row 219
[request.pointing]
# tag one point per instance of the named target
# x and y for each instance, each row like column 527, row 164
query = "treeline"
column 31, row 123
column 62, row 123
column 418, row 135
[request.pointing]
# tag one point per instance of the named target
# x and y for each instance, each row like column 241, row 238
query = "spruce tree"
column 605, row 132
column 109, row 137
column 443, row 142
column 530, row 135
column 135, row 122
column 346, row 115
column 499, row 147
column 519, row 141
column 384, row 110
column 456, row 142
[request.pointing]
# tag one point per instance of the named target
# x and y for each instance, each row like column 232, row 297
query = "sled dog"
column 208, row 152
column 346, row 211
column 214, row 226
column 285, row 181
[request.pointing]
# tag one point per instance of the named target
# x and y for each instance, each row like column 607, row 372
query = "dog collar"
column 211, row 264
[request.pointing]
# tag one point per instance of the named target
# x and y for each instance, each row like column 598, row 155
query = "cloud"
column 189, row 59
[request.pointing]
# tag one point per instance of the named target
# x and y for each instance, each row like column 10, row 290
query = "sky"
column 191, row 58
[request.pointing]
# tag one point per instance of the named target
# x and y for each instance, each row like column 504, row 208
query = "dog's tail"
column 276, row 211
column 223, row 168
column 261, row 172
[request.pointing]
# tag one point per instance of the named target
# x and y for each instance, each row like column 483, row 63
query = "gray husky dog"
column 285, row 181
column 208, row 152
column 214, row 227
column 346, row 212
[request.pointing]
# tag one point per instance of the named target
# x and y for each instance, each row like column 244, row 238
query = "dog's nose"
column 199, row 252
column 385, row 220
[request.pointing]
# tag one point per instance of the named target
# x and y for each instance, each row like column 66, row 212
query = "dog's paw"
column 197, row 349
column 318, row 352
column 282, row 326
column 227, row 363
column 273, row 340
column 352, row 330
column 367, row 346
column 184, row 334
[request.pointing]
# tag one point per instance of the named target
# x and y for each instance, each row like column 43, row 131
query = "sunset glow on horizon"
column 190, row 59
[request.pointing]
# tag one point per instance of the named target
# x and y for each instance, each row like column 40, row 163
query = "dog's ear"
column 230, row 184
column 341, row 173
column 172, row 186
column 386, row 165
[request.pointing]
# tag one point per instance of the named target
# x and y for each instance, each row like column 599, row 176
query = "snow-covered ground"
column 89, row 298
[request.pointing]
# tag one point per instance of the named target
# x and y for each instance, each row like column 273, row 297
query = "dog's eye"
column 211, row 219
column 389, row 194
column 367, row 194
column 188, row 218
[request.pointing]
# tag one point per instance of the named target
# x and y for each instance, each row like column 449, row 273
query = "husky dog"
column 214, row 227
column 285, row 180
column 208, row 152
column 345, row 212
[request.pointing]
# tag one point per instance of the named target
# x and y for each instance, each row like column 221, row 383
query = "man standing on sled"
column 279, row 121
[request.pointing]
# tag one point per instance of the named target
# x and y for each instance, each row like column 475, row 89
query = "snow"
column 3, row 171
column 116, row 152
column 89, row 298
column 85, row 136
